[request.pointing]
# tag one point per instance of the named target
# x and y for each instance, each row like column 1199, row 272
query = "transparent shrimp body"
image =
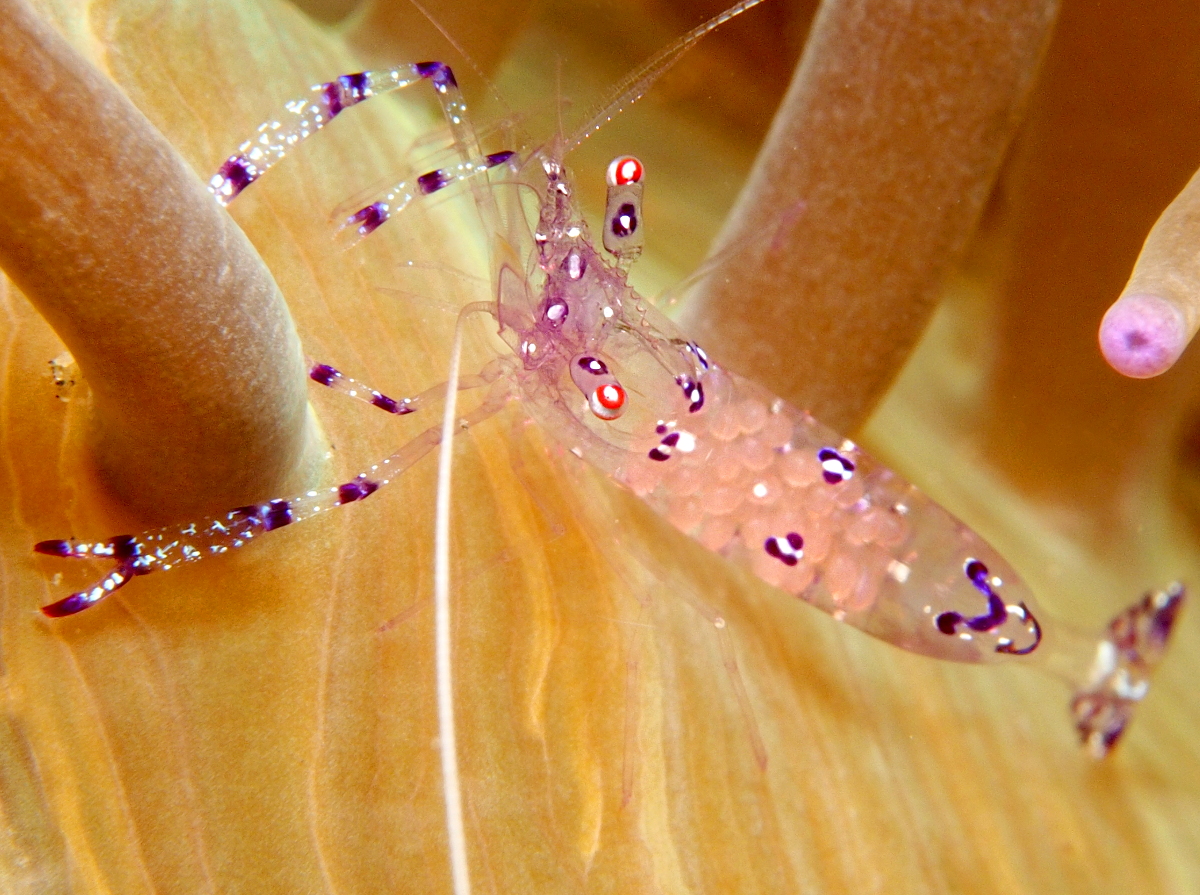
column 615, row 383
column 773, row 490
column 745, row 473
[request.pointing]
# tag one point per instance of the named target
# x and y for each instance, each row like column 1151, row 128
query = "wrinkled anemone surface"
column 266, row 723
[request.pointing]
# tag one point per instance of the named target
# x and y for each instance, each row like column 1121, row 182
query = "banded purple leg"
column 334, row 379
column 364, row 221
column 303, row 117
column 165, row 548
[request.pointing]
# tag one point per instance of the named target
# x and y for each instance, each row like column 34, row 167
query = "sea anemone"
column 265, row 721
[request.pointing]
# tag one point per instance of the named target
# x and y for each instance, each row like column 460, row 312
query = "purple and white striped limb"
column 331, row 378
column 303, row 117
column 388, row 203
column 163, row 549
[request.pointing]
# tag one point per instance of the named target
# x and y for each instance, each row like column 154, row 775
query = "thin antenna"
column 458, row 48
column 447, row 743
column 633, row 86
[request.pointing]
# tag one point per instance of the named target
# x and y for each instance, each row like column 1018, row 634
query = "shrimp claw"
column 126, row 550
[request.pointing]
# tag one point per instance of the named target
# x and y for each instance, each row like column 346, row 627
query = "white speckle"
column 1105, row 662
column 759, row 490
column 899, row 573
column 577, row 452
column 1123, row 688
column 686, row 443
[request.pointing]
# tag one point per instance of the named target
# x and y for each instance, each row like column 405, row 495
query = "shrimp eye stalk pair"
column 615, row 383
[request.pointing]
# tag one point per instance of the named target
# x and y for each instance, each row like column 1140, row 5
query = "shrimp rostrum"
column 615, row 383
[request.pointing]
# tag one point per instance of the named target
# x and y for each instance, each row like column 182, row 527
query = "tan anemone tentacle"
column 194, row 366
column 874, row 174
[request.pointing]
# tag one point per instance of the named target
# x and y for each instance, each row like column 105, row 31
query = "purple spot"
column 625, row 221
column 383, row 402
column 356, row 490
column 593, row 365
column 432, row 181
column 1163, row 617
column 53, row 548
column 323, row 374
column 947, row 622
column 656, row 454
column 67, row 606
column 499, row 158
column 835, row 468
column 238, row 173
column 279, row 514
column 331, row 95
column 438, row 72
column 125, row 547
column 693, row 391
column 994, row 617
column 355, row 85
column 671, row 440
column 370, row 218
column 346, row 91
column 660, row 429
column 977, row 574
column 788, row 550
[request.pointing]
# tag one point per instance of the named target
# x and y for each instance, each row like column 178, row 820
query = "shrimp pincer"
column 615, row 383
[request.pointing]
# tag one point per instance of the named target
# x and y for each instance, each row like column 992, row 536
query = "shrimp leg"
column 165, row 548
column 303, row 117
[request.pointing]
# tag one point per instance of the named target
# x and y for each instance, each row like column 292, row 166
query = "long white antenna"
column 633, row 86
column 448, row 745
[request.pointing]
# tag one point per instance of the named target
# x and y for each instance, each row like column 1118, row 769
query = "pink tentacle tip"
column 1142, row 335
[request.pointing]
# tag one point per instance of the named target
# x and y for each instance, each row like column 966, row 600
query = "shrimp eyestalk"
column 616, row 383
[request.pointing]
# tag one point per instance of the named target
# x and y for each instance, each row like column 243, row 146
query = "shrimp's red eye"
column 607, row 401
column 624, row 169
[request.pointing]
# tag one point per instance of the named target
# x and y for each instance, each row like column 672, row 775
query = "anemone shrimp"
column 785, row 547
